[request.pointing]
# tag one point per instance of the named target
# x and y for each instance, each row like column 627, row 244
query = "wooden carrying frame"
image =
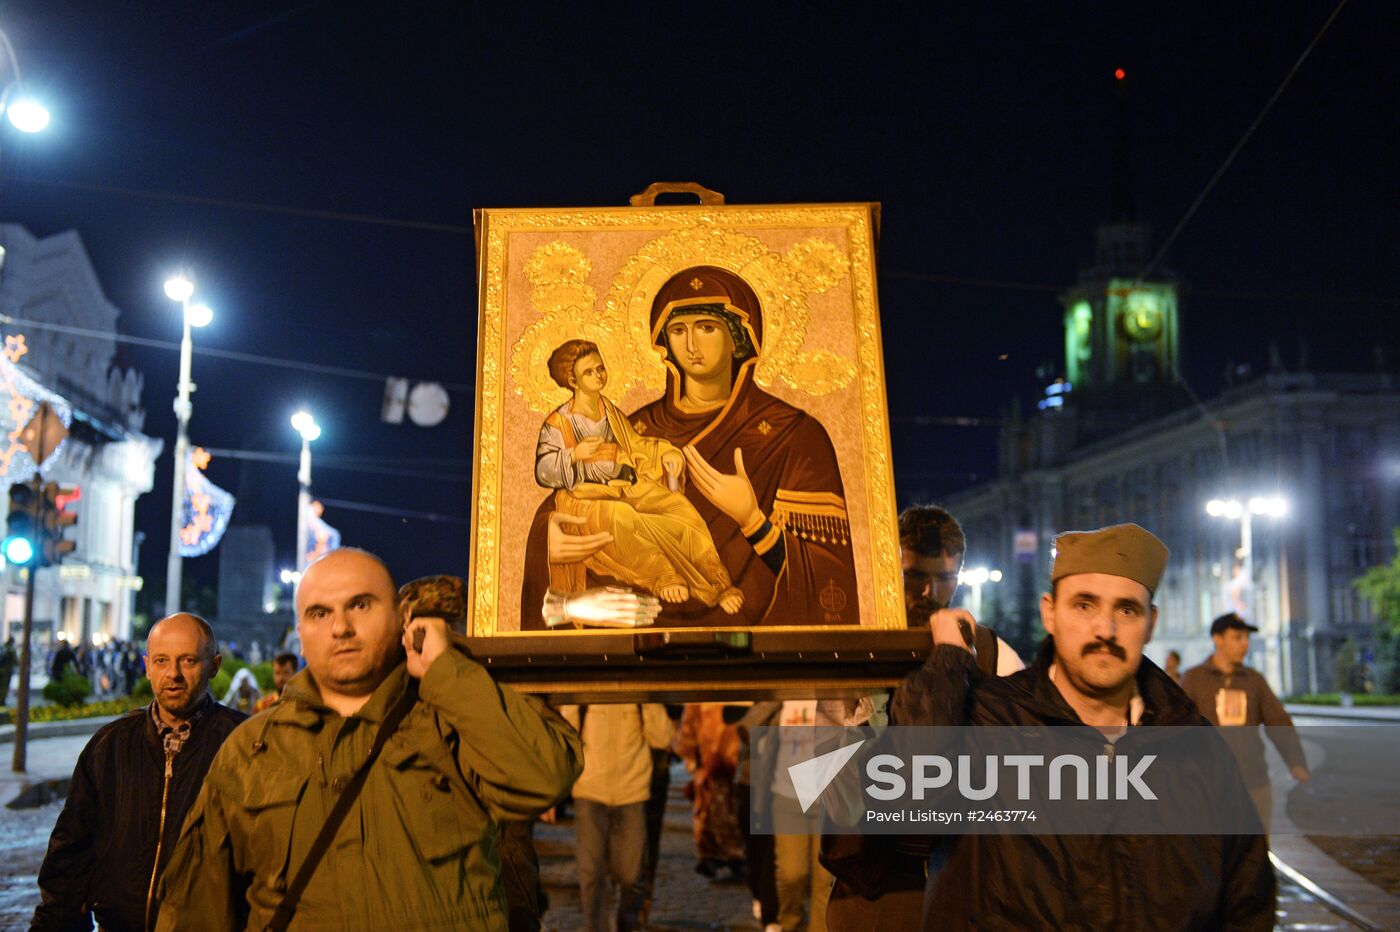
column 803, row 596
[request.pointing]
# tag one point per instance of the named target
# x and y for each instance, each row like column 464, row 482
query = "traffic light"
column 21, row 544
column 56, row 519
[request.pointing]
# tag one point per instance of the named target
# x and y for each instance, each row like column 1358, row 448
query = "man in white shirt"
column 610, row 805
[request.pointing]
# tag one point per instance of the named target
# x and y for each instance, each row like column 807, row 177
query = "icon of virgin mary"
column 761, row 473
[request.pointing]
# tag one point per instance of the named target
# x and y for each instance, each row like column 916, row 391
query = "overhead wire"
column 211, row 352
column 1215, row 423
column 330, row 461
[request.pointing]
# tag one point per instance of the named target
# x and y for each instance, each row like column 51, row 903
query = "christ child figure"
column 609, row 478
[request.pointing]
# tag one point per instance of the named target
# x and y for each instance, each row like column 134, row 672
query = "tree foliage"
column 1380, row 585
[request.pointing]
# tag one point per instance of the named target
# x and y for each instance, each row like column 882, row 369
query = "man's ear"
column 215, row 664
column 1047, row 613
column 1151, row 624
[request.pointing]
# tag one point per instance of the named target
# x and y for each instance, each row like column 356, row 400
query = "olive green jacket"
column 416, row 851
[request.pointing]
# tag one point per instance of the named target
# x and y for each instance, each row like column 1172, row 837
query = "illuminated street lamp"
column 26, row 114
column 975, row 578
column 305, row 425
column 1232, row 509
column 179, row 288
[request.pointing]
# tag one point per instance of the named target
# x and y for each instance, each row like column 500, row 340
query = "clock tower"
column 1121, row 332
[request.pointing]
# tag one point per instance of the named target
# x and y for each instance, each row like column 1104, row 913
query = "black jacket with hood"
column 1082, row 881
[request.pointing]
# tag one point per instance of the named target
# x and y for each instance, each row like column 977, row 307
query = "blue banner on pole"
column 206, row 510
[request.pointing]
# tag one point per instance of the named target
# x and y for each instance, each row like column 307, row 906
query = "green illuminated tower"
column 1121, row 329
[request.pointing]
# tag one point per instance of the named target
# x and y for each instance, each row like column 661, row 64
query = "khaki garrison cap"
column 1121, row 550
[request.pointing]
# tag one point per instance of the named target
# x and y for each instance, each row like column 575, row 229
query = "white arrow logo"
column 811, row 777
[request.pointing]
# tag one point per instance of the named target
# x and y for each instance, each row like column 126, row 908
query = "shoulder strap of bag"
column 987, row 648
column 288, row 907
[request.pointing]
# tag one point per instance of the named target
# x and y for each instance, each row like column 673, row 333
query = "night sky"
column 347, row 144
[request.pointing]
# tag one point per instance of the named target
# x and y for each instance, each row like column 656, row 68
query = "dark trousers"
column 760, row 856
column 520, row 876
column 610, row 841
column 655, row 815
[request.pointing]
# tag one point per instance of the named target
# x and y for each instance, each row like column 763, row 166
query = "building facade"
column 1327, row 444
column 1117, row 441
column 71, row 352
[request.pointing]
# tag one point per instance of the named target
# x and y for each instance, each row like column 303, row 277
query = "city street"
column 684, row 899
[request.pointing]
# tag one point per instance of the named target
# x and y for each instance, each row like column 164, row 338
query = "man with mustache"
column 132, row 786
column 1091, row 672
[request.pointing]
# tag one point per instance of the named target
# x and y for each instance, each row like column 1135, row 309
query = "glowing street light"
column 1231, row 509
column 975, row 577
column 305, row 425
column 26, row 114
column 180, row 288
column 199, row 315
column 289, row 577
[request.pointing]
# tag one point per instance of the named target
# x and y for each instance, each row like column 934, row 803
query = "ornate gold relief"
column 558, row 276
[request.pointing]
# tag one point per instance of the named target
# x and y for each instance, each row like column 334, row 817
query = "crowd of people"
column 188, row 813
column 112, row 668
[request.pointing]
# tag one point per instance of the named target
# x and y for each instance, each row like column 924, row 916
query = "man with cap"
column 1090, row 671
column 1231, row 694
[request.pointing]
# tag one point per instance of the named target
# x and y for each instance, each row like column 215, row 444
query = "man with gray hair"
column 133, row 784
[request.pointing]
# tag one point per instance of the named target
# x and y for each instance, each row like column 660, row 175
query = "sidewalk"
column 1368, row 901
column 51, row 752
column 1377, row 714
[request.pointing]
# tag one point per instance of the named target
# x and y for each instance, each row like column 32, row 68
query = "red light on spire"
column 1119, row 74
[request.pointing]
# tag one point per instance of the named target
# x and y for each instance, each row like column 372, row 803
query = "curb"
column 1354, row 714
column 76, row 726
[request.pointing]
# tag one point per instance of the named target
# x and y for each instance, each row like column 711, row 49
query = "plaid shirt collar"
column 173, row 737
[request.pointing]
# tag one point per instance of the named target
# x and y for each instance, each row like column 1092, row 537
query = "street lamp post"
column 1233, row 510
column 305, row 425
column 181, row 289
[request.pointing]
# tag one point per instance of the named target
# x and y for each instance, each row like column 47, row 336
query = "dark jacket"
column 103, row 848
column 1261, row 708
column 1082, row 881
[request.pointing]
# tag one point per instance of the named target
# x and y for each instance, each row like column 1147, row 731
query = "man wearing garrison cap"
column 1089, row 672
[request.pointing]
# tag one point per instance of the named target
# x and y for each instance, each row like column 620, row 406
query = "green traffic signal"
column 18, row 550
column 21, row 526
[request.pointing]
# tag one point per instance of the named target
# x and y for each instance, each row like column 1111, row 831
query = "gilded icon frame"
column 588, row 273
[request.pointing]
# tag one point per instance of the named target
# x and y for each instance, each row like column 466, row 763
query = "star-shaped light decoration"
column 201, row 458
column 14, row 347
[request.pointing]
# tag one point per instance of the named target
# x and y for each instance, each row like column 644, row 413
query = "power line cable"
column 1003, row 284
column 1244, row 140
column 1216, row 423
column 330, row 461
column 395, row 512
column 344, row 216
column 253, row 358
